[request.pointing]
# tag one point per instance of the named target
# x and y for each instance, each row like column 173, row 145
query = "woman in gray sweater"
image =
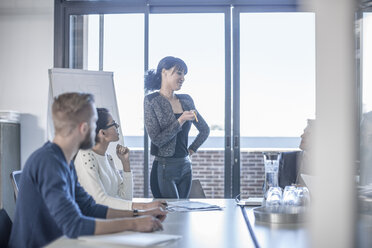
column 168, row 118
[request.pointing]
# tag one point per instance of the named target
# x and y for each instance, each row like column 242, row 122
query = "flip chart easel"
column 98, row 83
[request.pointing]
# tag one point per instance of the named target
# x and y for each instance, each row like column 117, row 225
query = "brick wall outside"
column 252, row 173
column 208, row 167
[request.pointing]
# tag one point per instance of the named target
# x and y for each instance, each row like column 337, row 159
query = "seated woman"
column 97, row 172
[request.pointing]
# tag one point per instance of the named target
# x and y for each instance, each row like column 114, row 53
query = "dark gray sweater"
column 162, row 126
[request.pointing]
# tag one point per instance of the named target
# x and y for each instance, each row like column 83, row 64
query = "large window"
column 367, row 62
column 277, row 88
column 91, row 51
column 366, row 124
column 198, row 39
column 123, row 54
column 122, row 46
column 276, row 81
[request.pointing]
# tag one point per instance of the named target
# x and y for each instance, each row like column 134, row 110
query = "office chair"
column 196, row 189
column 5, row 228
column 15, row 176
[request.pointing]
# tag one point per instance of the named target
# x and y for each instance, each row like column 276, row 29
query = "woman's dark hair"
column 102, row 121
column 153, row 77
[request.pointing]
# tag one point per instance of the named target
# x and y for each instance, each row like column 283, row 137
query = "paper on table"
column 131, row 238
column 191, row 206
column 251, row 201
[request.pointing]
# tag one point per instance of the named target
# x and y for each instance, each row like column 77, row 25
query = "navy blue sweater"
column 51, row 202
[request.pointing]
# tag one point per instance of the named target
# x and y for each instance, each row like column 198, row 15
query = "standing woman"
column 168, row 118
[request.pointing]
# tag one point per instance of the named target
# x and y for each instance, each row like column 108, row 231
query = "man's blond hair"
column 71, row 109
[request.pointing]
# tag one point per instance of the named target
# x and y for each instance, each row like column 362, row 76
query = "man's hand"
column 146, row 224
column 123, row 220
column 156, row 204
column 158, row 213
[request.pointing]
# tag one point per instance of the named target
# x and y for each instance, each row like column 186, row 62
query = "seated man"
column 51, row 202
column 293, row 164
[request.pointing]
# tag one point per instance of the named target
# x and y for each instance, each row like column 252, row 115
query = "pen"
column 196, row 118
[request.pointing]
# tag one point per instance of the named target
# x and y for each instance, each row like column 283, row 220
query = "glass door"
column 199, row 40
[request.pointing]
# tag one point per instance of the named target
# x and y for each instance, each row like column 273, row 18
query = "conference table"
column 225, row 228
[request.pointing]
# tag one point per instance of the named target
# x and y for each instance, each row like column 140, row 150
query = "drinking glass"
column 303, row 196
column 274, row 196
column 290, row 196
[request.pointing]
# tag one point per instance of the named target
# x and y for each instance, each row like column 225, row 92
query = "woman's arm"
column 202, row 127
column 125, row 187
column 158, row 135
column 123, row 154
column 203, row 134
column 125, row 183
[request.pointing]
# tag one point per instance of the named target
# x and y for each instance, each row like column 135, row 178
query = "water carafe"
column 271, row 161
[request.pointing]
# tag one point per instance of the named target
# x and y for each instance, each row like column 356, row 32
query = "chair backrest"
column 287, row 172
column 196, row 189
column 5, row 228
column 14, row 178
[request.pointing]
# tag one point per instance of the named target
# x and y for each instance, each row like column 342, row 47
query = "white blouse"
column 101, row 179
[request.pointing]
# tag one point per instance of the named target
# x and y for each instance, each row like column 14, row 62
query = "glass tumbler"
column 303, row 196
column 274, row 197
column 290, row 196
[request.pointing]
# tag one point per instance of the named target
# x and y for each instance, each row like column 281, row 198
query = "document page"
column 131, row 239
column 185, row 206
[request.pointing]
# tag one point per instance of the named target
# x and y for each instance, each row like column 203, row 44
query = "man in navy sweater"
column 51, row 202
